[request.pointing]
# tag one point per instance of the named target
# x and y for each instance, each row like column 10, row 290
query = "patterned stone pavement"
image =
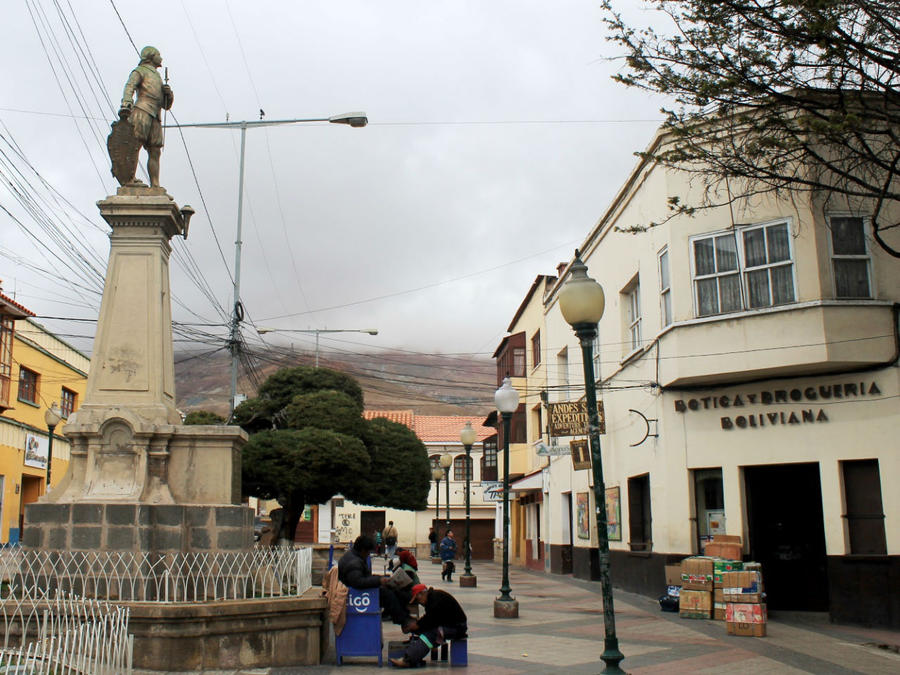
column 560, row 629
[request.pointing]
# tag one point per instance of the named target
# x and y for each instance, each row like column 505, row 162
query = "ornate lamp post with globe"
column 437, row 473
column 507, row 400
column 581, row 302
column 468, row 436
column 52, row 416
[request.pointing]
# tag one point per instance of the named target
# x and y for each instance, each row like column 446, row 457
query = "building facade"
column 747, row 363
column 341, row 520
column 37, row 370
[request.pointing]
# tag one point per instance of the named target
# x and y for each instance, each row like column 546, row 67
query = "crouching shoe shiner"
column 353, row 571
column 444, row 620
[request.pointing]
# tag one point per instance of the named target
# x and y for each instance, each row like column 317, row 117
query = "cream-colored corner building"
column 37, row 370
column 341, row 520
column 747, row 362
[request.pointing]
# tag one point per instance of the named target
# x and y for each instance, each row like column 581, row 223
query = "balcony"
column 792, row 340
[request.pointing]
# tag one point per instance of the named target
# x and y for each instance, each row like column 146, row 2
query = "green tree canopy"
column 399, row 472
column 784, row 96
column 203, row 417
column 309, row 441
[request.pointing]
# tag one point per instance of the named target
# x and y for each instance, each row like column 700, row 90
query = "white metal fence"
column 59, row 633
column 179, row 577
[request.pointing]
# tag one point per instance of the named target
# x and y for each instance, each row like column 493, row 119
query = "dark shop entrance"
column 787, row 534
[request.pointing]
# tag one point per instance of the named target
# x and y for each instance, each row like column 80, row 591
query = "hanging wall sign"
column 36, row 451
column 569, row 418
column 581, row 454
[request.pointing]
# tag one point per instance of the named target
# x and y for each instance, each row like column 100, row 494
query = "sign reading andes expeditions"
column 735, row 415
column 569, row 418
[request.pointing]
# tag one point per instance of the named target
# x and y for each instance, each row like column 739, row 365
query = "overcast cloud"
column 495, row 140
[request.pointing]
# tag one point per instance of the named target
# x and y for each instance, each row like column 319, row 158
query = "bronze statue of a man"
column 144, row 114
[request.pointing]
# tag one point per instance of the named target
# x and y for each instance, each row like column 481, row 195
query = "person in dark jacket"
column 444, row 620
column 448, row 553
column 432, row 539
column 353, row 571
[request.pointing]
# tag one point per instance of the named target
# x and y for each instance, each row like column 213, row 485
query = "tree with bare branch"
column 776, row 97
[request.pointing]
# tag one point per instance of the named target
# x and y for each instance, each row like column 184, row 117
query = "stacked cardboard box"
column 725, row 546
column 745, row 609
column 695, row 601
column 719, row 568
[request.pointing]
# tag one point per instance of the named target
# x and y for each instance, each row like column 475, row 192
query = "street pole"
column 507, row 400
column 52, row 417
column 468, row 580
column 448, row 498
column 354, row 119
column 581, row 302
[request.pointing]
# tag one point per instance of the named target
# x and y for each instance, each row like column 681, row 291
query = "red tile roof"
column 404, row 417
column 434, row 428
column 13, row 308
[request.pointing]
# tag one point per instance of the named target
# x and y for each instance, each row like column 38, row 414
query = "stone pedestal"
column 506, row 609
column 137, row 478
column 470, row 581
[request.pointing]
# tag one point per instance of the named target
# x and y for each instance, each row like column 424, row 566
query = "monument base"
column 468, row 581
column 153, row 528
column 228, row 635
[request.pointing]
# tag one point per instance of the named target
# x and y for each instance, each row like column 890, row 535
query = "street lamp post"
column 371, row 331
column 353, row 119
column 507, row 400
column 52, row 416
column 468, row 436
column 437, row 473
column 581, row 302
column 446, row 463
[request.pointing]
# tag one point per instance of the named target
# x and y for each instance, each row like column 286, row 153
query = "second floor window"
column 489, row 459
column 665, row 289
column 747, row 269
column 462, row 468
column 850, row 257
column 67, row 402
column 536, row 349
column 6, row 339
column 633, row 315
column 28, row 385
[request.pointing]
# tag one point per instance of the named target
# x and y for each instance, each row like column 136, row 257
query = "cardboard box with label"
column 695, row 604
column 697, row 573
column 720, row 566
column 742, row 586
column 746, row 619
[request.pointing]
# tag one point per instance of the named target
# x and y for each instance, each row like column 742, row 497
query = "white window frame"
column 742, row 269
column 631, row 297
column 866, row 225
column 665, row 289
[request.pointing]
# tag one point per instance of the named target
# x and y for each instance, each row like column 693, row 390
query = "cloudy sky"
column 495, row 140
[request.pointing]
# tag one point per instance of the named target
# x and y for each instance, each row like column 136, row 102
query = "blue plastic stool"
column 362, row 632
column 459, row 653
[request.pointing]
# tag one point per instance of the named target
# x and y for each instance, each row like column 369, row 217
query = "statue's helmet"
column 148, row 52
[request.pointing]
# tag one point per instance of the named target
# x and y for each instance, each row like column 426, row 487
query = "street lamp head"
column 467, row 435
column 371, row 331
column 437, row 473
column 581, row 299
column 506, row 397
column 53, row 415
column 446, row 460
column 354, row 119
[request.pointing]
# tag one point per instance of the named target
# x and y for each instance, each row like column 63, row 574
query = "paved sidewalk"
column 560, row 629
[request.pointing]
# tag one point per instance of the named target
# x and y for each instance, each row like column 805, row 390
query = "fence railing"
column 57, row 633
column 177, row 577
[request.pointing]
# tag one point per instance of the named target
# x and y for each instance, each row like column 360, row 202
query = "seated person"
column 353, row 571
column 409, row 565
column 444, row 620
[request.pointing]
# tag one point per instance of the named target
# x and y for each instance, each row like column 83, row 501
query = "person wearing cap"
column 444, row 620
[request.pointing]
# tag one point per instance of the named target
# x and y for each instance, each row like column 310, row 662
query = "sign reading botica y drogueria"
column 807, row 398
column 570, row 418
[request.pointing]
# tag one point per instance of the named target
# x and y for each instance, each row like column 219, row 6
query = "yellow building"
column 37, row 371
